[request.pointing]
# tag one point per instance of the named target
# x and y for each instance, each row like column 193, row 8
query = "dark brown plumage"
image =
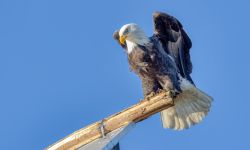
column 175, row 41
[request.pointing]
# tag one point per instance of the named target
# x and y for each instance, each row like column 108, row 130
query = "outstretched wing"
column 175, row 41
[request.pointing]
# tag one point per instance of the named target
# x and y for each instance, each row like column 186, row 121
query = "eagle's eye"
column 125, row 32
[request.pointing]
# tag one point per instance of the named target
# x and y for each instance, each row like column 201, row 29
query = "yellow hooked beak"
column 122, row 39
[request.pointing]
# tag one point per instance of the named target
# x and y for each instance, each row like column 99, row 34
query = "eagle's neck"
column 133, row 42
column 130, row 46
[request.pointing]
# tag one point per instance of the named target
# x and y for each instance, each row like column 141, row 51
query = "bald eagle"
column 163, row 62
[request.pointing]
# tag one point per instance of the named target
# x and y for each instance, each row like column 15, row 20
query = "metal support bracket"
column 109, row 141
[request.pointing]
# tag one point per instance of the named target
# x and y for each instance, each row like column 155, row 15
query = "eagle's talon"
column 159, row 91
column 142, row 64
column 174, row 93
column 150, row 95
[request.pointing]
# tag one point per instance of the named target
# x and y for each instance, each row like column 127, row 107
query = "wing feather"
column 175, row 41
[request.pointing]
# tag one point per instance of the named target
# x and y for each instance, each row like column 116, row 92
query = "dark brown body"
column 156, row 69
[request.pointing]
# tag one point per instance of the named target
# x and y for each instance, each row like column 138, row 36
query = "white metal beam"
column 110, row 140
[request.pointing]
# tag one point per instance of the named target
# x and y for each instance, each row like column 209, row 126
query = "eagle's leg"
column 168, row 85
column 149, row 87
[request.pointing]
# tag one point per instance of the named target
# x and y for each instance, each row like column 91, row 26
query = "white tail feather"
column 191, row 106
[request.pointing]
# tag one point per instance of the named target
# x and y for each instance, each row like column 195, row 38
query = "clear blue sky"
column 60, row 70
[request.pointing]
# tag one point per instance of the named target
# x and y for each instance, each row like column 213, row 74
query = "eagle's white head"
column 131, row 33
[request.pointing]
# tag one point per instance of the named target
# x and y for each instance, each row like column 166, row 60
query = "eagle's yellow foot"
column 150, row 95
column 160, row 90
column 142, row 64
column 171, row 93
column 174, row 93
